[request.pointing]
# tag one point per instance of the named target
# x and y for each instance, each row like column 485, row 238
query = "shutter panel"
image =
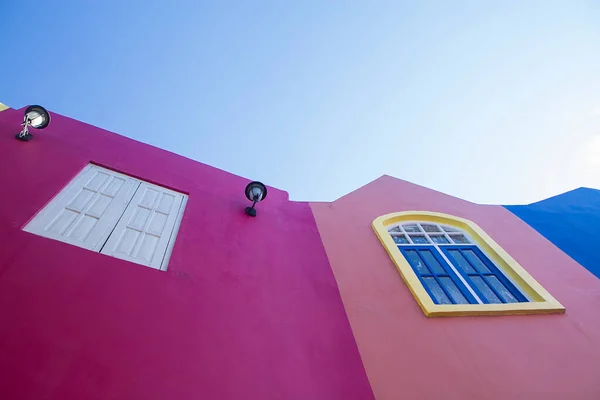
column 86, row 210
column 142, row 235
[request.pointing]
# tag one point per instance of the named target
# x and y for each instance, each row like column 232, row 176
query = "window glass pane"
column 433, row 264
column 439, row 239
column 504, row 293
column 430, row 228
column 452, row 290
column 459, row 239
column 419, row 239
column 415, row 261
column 439, row 297
column 400, row 239
column 411, row 228
column 460, row 262
column 395, row 229
column 450, row 229
column 476, row 262
column 489, row 295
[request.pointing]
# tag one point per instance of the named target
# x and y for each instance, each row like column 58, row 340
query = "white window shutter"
column 86, row 210
column 143, row 234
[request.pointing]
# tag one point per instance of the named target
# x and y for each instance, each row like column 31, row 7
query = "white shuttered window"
column 112, row 213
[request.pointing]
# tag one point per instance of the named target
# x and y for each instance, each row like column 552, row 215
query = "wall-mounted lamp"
column 36, row 117
column 255, row 192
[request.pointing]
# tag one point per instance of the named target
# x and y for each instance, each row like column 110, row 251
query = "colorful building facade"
column 305, row 301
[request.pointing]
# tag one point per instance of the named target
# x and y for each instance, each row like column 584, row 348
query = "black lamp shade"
column 38, row 117
column 256, row 191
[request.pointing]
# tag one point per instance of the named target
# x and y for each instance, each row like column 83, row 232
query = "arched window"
column 453, row 268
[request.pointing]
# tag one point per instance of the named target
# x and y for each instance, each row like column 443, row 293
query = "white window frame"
column 448, row 235
column 104, row 230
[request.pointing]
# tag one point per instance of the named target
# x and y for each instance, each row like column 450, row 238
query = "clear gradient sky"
column 490, row 101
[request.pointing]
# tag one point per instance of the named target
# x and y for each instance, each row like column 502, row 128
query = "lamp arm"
column 25, row 129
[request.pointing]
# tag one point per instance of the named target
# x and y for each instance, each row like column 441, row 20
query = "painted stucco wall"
column 571, row 221
column 248, row 309
column 409, row 356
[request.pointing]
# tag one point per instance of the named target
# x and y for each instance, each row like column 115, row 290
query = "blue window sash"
column 490, row 265
column 448, row 273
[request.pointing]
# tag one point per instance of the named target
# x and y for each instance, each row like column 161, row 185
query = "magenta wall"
column 248, row 309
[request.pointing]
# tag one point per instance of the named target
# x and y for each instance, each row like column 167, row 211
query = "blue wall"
column 571, row 221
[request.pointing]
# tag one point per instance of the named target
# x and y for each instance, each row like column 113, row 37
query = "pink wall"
column 409, row 356
column 248, row 309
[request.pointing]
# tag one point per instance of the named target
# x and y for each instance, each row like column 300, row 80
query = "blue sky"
column 491, row 101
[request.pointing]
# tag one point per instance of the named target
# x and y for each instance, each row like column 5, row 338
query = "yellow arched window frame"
column 541, row 302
